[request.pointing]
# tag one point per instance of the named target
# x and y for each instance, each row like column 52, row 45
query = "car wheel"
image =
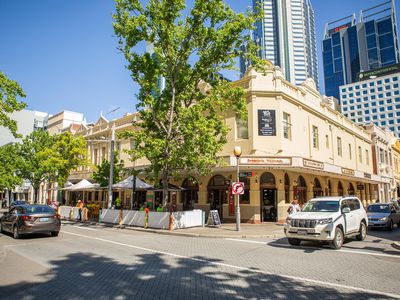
column 294, row 242
column 363, row 232
column 338, row 239
column 390, row 225
column 16, row 234
column 54, row 233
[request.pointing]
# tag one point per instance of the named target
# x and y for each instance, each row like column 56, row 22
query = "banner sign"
column 266, row 122
column 313, row 164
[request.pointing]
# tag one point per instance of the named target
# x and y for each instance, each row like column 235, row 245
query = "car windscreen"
column 321, row 206
column 378, row 208
column 38, row 209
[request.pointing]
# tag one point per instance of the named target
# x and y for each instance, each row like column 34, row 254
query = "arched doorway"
column 340, row 189
column 287, row 188
column 301, row 190
column 328, row 189
column 317, row 189
column 268, row 197
column 350, row 190
column 217, row 193
column 190, row 194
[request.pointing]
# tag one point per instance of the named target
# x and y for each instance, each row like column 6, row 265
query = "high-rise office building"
column 350, row 46
column 286, row 35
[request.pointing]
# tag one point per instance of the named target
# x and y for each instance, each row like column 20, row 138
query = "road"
column 88, row 262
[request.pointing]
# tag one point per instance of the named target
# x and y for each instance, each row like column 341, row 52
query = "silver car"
column 383, row 215
column 28, row 219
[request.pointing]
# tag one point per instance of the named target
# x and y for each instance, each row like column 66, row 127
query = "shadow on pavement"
column 155, row 276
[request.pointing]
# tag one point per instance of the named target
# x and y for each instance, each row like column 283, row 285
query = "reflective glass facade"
column 353, row 47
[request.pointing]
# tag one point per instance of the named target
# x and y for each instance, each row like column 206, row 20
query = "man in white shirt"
column 294, row 207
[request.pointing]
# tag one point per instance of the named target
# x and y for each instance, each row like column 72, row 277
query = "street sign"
column 246, row 174
column 237, row 188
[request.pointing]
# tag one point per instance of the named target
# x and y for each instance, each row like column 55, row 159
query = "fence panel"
column 110, row 216
column 134, row 218
column 186, row 219
column 65, row 211
column 158, row 220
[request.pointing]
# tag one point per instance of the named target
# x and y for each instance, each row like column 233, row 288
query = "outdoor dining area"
column 135, row 203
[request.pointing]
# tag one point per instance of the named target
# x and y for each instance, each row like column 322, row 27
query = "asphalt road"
column 108, row 263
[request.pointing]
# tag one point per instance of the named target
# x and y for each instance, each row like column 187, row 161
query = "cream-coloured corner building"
column 294, row 144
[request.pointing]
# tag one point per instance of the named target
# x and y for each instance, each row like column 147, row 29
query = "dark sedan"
column 28, row 219
column 383, row 215
column 16, row 203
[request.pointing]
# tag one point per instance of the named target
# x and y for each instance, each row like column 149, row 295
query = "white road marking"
column 322, row 283
column 87, row 228
column 320, row 249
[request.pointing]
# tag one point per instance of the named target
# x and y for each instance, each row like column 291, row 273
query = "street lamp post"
column 238, row 152
column 110, row 179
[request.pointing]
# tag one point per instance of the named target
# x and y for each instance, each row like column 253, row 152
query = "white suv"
column 328, row 219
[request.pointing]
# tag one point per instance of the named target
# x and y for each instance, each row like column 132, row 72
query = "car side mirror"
column 345, row 210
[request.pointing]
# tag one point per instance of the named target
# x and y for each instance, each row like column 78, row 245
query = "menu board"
column 266, row 122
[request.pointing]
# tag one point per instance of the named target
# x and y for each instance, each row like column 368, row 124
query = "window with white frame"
column 360, row 154
column 339, row 146
column 287, row 126
column 315, row 137
column 242, row 129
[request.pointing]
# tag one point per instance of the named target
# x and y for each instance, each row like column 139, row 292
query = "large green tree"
column 102, row 173
column 9, row 161
column 45, row 157
column 9, row 92
column 182, row 127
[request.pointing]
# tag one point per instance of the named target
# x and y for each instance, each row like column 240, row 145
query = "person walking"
column 79, row 205
column 294, row 207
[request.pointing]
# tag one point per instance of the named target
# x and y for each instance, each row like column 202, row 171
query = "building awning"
column 82, row 186
column 127, row 184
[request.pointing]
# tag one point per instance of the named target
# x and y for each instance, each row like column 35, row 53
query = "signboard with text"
column 274, row 161
column 266, row 122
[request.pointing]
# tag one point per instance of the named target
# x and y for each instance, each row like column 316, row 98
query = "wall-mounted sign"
column 395, row 68
column 246, row 174
column 338, row 28
column 313, row 164
column 349, row 172
column 273, row 161
column 266, row 122
column 360, row 186
column 366, row 175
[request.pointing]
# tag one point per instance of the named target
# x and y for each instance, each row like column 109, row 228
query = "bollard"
column 171, row 222
column 121, row 217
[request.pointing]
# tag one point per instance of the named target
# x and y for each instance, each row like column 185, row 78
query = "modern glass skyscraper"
column 287, row 38
column 351, row 47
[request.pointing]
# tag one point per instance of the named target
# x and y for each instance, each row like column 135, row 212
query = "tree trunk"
column 165, row 189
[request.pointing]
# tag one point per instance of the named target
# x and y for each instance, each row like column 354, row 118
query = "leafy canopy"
column 102, row 173
column 9, row 162
column 43, row 156
column 9, row 91
column 182, row 127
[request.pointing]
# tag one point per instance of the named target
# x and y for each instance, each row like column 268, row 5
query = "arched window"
column 287, row 188
column 190, row 194
column 317, row 189
column 350, row 189
column 301, row 190
column 267, row 179
column 340, row 189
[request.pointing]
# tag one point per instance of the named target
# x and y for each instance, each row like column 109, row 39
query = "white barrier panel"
column 186, row 219
column 158, row 220
column 110, row 216
column 65, row 211
column 133, row 218
column 75, row 214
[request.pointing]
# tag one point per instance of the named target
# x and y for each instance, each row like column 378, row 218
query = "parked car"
column 17, row 202
column 328, row 219
column 28, row 219
column 383, row 215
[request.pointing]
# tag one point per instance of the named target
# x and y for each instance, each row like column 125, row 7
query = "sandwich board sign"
column 213, row 218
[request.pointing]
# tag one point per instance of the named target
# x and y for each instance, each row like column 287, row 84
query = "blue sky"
column 63, row 52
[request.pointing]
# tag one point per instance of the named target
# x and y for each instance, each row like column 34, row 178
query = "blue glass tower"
column 350, row 47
